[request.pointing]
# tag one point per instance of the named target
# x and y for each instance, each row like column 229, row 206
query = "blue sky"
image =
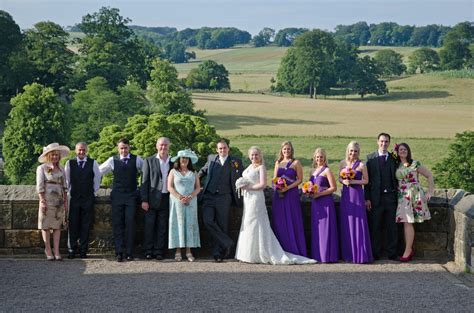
column 250, row 15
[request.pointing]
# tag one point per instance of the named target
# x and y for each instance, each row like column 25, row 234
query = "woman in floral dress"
column 52, row 190
column 412, row 200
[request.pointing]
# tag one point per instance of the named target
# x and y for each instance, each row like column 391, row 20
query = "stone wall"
column 443, row 235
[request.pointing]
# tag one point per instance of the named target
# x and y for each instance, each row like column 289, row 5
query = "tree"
column 456, row 53
column 424, row 60
column 264, row 37
column 111, row 50
column 457, row 169
column 389, row 62
column 37, row 118
column 46, row 48
column 381, row 34
column 286, row 36
column 366, row 78
column 175, row 51
column 209, row 75
column 15, row 71
column 164, row 91
column 98, row 106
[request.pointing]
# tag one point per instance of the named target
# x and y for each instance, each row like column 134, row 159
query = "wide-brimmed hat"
column 186, row 154
column 63, row 151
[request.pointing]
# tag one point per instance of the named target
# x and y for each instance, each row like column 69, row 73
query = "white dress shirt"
column 108, row 166
column 223, row 159
column 165, row 169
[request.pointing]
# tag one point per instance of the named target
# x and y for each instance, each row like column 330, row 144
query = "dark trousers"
column 382, row 217
column 215, row 215
column 155, row 240
column 123, row 220
column 81, row 214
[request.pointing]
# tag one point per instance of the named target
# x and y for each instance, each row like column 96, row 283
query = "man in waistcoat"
column 125, row 168
column 155, row 200
column 381, row 198
column 221, row 171
column 83, row 181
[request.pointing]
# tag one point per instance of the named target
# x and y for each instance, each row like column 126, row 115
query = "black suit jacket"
column 372, row 189
column 236, row 172
column 152, row 181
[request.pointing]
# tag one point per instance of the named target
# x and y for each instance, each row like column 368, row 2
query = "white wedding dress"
column 257, row 242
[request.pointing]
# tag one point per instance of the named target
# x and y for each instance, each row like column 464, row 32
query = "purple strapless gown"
column 324, row 239
column 355, row 238
column 287, row 218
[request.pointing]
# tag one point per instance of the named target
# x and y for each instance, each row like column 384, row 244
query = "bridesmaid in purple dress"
column 354, row 232
column 287, row 219
column 324, row 239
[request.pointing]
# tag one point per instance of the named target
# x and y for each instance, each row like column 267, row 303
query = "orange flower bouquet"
column 347, row 173
column 278, row 184
column 309, row 188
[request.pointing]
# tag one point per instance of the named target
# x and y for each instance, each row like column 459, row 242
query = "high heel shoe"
column 408, row 258
column 190, row 257
column 58, row 257
column 48, row 257
column 178, row 257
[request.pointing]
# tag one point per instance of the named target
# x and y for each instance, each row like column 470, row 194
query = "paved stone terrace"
column 105, row 285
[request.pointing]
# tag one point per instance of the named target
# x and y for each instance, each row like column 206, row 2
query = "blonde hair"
column 352, row 145
column 323, row 153
column 259, row 151
column 49, row 156
column 286, row 143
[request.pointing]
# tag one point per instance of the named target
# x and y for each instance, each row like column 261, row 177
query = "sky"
column 250, row 15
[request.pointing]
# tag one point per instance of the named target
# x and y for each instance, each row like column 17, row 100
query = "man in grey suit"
column 155, row 200
column 381, row 197
column 221, row 171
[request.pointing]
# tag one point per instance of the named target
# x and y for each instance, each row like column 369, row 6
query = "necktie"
column 81, row 164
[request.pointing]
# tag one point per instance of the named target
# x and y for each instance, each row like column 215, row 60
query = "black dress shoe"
column 129, row 257
column 228, row 252
column 218, row 259
column 148, row 257
column 83, row 256
column 393, row 257
column 119, row 257
column 71, row 255
column 159, row 257
column 376, row 257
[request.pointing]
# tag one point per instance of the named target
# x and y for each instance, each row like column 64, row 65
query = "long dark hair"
column 409, row 158
column 177, row 164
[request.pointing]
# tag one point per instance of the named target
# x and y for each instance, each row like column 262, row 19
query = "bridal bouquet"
column 241, row 182
column 309, row 188
column 278, row 184
column 347, row 173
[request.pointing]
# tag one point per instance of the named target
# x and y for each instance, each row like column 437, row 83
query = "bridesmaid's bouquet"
column 309, row 188
column 278, row 184
column 347, row 173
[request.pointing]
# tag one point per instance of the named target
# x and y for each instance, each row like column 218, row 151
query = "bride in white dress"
column 257, row 242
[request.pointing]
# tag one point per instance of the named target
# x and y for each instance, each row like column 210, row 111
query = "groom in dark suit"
column 381, row 197
column 155, row 200
column 222, row 170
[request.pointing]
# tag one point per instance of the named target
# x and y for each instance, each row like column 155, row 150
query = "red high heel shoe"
column 408, row 258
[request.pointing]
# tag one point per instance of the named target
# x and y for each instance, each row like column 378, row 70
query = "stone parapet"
column 444, row 236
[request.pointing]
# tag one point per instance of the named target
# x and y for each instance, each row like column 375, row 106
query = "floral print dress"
column 412, row 206
column 53, row 185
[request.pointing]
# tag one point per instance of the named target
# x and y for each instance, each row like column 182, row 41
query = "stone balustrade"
column 448, row 235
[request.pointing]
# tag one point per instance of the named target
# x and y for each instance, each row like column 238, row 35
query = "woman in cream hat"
column 52, row 190
column 184, row 186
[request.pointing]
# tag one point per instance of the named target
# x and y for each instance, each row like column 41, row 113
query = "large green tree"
column 456, row 170
column 15, row 71
column 423, row 60
column 389, row 62
column 455, row 53
column 46, row 48
column 309, row 60
column 366, row 78
column 208, row 75
column 37, row 118
column 264, row 37
column 111, row 50
column 98, row 106
column 164, row 91
column 285, row 37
